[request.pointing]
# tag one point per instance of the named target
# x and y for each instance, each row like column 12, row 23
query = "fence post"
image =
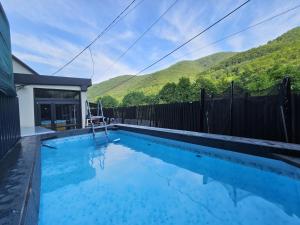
column 231, row 108
column 137, row 115
column 149, row 114
column 245, row 128
column 142, row 112
column 122, row 115
column 156, row 115
column 293, row 118
column 285, row 107
column 202, row 104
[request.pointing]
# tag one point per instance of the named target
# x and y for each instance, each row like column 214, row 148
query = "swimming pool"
column 149, row 180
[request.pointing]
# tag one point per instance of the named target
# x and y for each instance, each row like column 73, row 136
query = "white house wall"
column 26, row 106
column 18, row 68
column 83, row 109
column 26, row 102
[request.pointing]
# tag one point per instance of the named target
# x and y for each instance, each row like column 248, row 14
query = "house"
column 52, row 102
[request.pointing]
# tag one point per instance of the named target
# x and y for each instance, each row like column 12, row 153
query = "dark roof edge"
column 25, row 65
column 31, row 79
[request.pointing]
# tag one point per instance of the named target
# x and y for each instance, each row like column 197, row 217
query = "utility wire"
column 182, row 45
column 111, row 66
column 240, row 31
column 95, row 39
column 245, row 29
column 130, row 10
column 197, row 35
column 93, row 63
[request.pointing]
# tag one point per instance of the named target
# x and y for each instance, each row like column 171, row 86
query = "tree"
column 152, row 99
column 184, row 90
column 203, row 82
column 167, row 93
column 108, row 101
column 134, row 98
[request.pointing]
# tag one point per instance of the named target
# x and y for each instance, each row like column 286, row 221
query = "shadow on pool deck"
column 16, row 180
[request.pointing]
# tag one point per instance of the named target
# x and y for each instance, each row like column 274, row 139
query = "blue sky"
column 47, row 33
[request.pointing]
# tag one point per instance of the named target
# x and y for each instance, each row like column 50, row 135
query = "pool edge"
column 249, row 146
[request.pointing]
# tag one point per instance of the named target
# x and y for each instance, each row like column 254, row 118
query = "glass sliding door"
column 66, row 116
column 45, row 115
column 57, row 109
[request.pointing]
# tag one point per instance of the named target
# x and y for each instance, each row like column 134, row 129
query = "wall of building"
column 18, row 68
column 83, row 109
column 6, row 72
column 9, row 123
column 26, row 106
column 26, row 102
column 9, row 111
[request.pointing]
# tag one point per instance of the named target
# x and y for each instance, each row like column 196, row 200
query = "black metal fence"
column 9, row 123
column 275, row 116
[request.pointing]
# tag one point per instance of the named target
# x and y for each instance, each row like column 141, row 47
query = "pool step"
column 101, row 126
column 97, row 117
column 100, row 115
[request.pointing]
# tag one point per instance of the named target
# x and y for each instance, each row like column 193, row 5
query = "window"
column 56, row 94
column 57, row 109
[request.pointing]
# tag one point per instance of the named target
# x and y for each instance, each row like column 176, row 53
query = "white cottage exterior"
column 52, row 102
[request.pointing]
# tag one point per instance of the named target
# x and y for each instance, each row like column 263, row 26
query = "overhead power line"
column 182, row 45
column 194, row 37
column 130, row 10
column 240, row 31
column 245, row 29
column 141, row 36
column 90, row 50
column 93, row 63
column 95, row 39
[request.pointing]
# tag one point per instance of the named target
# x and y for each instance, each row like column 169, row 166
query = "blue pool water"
column 149, row 180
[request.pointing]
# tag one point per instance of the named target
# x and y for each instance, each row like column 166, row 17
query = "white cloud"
column 55, row 52
column 236, row 43
column 50, row 32
column 266, row 31
column 54, row 49
column 63, row 15
column 182, row 23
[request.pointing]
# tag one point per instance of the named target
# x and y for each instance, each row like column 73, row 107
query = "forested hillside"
column 255, row 70
column 261, row 67
column 152, row 83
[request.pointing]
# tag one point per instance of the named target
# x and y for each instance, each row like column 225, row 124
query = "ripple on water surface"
column 147, row 180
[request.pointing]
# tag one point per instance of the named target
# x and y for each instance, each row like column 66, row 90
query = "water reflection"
column 97, row 157
column 138, row 174
column 61, row 168
column 240, row 182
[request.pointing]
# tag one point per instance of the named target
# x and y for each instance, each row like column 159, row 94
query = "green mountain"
column 152, row 83
column 255, row 69
column 262, row 67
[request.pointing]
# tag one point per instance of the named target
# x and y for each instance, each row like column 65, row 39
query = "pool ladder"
column 92, row 119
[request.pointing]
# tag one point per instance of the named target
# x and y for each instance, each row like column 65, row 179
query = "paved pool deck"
column 33, row 131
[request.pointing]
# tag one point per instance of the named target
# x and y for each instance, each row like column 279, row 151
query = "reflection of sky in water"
column 142, row 181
